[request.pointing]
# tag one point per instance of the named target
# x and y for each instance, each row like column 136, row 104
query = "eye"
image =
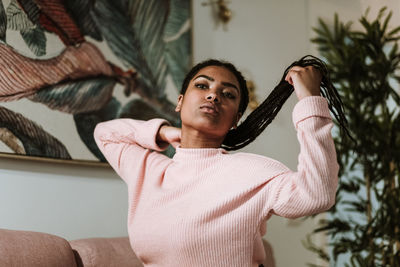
column 229, row 95
column 201, row 85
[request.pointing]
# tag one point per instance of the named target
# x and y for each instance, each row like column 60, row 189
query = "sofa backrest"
column 105, row 252
column 34, row 249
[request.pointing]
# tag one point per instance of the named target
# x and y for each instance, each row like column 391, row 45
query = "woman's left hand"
column 305, row 80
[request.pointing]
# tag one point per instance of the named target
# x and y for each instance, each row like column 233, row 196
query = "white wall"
column 67, row 200
column 261, row 40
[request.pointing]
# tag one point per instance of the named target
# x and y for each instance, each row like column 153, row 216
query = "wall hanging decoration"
column 221, row 11
column 67, row 65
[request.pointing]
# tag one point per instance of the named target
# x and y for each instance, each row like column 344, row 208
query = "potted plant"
column 364, row 225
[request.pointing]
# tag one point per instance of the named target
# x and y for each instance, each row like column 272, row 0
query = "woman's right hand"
column 169, row 134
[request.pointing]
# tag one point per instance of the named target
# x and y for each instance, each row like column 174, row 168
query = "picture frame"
column 67, row 65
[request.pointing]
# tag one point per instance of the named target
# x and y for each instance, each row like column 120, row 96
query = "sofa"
column 35, row 249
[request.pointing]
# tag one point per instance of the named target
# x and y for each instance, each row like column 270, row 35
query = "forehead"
column 218, row 73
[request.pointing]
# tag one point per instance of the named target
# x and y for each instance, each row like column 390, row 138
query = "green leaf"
column 86, row 122
column 3, row 23
column 31, row 9
column 177, row 59
column 148, row 21
column 386, row 22
column 16, row 18
column 177, row 35
column 134, row 32
column 396, row 97
column 35, row 39
column 394, row 31
column 319, row 40
column 81, row 12
column 381, row 13
column 310, row 245
column 79, row 96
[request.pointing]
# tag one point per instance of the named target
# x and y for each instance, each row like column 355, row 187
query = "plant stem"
column 369, row 218
column 393, row 186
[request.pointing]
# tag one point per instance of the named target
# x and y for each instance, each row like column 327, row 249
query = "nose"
column 212, row 97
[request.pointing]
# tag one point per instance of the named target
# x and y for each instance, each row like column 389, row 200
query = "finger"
column 288, row 78
column 289, row 74
column 296, row 68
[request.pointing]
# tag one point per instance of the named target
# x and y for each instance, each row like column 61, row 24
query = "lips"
column 209, row 108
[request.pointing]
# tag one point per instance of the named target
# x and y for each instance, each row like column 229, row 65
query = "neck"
column 192, row 138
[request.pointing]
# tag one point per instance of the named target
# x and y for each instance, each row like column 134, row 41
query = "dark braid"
column 263, row 115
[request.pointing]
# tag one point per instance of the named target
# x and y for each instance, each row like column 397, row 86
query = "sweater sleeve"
column 312, row 188
column 126, row 143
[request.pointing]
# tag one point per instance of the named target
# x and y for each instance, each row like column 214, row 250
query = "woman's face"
column 211, row 102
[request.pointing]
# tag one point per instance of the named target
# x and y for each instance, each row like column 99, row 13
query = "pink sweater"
column 207, row 207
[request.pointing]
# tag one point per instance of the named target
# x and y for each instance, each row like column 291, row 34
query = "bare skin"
column 210, row 105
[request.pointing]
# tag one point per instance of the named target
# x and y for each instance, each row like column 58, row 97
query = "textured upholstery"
column 33, row 249
column 106, row 252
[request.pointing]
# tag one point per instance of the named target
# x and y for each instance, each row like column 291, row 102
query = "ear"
column 179, row 104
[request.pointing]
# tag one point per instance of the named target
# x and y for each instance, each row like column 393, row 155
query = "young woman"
column 205, row 206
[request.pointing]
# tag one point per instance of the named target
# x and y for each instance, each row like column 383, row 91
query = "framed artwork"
column 67, row 65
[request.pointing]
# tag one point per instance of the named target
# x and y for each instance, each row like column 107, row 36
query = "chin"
column 212, row 128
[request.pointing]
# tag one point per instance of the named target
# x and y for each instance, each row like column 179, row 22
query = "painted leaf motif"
column 21, row 76
column 77, row 97
column 86, row 122
column 3, row 22
column 53, row 17
column 140, row 110
column 134, row 32
column 16, row 18
column 35, row 39
column 177, row 36
column 80, row 11
column 31, row 10
column 10, row 140
column 148, row 21
column 36, row 141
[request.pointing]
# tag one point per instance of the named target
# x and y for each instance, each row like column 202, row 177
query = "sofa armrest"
column 34, row 249
column 106, row 252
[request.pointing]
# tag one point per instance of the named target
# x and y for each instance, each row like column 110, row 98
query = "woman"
column 205, row 206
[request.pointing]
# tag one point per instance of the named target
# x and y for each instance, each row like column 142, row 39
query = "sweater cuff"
column 149, row 134
column 308, row 107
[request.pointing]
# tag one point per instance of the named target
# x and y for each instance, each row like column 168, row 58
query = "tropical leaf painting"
column 3, row 23
column 67, row 65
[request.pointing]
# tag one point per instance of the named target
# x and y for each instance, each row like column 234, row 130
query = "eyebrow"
column 212, row 79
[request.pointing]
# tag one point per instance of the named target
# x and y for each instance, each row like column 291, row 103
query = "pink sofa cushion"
column 106, row 252
column 34, row 249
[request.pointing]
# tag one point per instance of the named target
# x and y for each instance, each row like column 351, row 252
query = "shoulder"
column 158, row 158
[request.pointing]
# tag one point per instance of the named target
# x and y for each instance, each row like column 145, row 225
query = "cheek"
column 187, row 107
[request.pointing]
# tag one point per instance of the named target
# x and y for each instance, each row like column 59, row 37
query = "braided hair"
column 262, row 116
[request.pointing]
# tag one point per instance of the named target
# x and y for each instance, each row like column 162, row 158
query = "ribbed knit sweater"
column 206, row 207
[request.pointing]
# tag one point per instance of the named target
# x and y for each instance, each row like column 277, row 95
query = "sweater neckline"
column 197, row 153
